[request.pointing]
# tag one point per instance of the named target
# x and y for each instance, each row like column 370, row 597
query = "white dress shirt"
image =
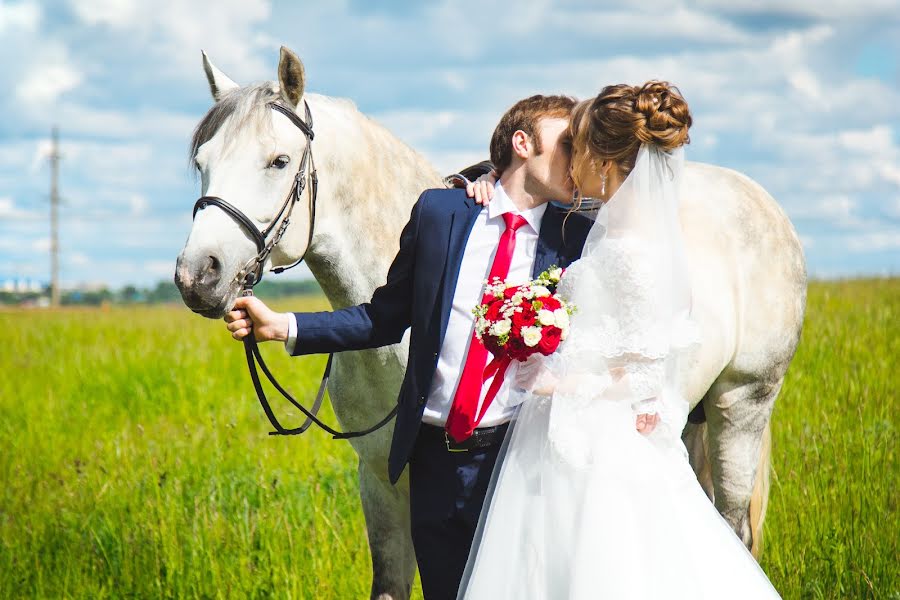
column 474, row 269
column 476, row 265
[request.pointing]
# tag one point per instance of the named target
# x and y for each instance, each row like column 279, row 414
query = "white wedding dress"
column 583, row 506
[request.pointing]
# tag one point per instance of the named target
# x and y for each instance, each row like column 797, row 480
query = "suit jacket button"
column 421, row 400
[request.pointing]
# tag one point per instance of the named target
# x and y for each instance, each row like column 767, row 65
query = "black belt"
column 482, row 437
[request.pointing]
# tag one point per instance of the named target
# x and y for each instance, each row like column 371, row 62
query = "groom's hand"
column 646, row 423
column 251, row 313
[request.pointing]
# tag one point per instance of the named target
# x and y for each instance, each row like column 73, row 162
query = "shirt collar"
column 502, row 204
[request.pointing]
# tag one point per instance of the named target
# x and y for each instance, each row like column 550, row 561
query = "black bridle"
column 251, row 274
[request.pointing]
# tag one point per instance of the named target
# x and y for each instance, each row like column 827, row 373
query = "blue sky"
column 801, row 95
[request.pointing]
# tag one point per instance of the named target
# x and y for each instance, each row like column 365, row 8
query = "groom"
column 448, row 248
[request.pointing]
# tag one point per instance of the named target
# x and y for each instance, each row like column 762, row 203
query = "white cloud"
column 78, row 259
column 877, row 141
column 833, row 9
column 673, row 23
column 25, row 16
column 114, row 13
column 175, row 31
column 890, row 171
column 45, row 85
column 139, row 205
column 10, row 212
column 875, row 241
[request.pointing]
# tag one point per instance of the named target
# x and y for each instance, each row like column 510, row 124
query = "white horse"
column 747, row 267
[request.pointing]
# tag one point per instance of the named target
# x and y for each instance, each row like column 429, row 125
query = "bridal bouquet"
column 515, row 321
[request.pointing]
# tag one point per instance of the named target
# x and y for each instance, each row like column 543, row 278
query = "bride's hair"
column 613, row 125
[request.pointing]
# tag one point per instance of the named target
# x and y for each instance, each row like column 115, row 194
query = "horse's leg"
column 737, row 412
column 695, row 440
column 386, row 508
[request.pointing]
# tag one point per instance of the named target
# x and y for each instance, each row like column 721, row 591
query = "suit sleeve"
column 379, row 322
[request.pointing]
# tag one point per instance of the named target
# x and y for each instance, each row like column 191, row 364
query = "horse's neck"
column 369, row 181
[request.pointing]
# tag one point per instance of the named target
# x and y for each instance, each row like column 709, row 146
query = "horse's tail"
column 759, row 498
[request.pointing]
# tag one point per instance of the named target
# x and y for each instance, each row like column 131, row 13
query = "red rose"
column 510, row 292
column 550, row 338
column 490, row 342
column 550, row 303
column 525, row 318
column 516, row 347
column 493, row 311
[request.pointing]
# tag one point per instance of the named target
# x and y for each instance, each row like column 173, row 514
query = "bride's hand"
column 646, row 423
column 482, row 189
column 532, row 376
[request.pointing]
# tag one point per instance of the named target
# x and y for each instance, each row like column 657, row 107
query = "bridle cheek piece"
column 252, row 271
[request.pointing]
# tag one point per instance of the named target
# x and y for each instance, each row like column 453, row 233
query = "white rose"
column 561, row 316
column 540, row 291
column 482, row 324
column 556, row 274
column 501, row 327
column 531, row 336
column 546, row 317
column 564, row 334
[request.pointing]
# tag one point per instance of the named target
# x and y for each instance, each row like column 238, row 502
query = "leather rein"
column 252, row 271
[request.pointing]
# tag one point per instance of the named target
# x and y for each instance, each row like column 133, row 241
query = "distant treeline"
column 164, row 291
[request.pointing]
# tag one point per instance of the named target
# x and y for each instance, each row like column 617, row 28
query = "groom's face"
column 548, row 172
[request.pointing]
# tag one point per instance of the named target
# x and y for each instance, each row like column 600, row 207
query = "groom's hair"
column 524, row 115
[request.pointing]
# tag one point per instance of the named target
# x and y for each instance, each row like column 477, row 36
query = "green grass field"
column 135, row 461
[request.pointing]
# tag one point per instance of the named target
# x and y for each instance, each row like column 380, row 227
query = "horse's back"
column 748, row 274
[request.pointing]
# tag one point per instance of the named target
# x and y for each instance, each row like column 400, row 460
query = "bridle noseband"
column 251, row 274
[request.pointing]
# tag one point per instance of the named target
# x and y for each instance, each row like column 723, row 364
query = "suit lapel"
column 461, row 225
column 549, row 241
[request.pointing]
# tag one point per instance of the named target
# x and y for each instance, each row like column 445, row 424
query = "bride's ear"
column 604, row 167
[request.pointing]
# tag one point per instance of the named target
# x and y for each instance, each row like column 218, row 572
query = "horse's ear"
column 219, row 82
column 291, row 77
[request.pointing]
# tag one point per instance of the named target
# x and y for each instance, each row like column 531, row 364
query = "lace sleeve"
column 621, row 344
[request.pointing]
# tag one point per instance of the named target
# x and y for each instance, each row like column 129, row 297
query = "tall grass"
column 135, row 461
column 833, row 523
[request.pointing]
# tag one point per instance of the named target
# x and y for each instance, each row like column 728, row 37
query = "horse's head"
column 247, row 154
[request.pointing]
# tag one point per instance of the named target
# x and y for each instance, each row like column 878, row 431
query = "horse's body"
column 747, row 268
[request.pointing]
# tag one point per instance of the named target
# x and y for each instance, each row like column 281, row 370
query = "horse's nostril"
column 210, row 271
column 212, row 265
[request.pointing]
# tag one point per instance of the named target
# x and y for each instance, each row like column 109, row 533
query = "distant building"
column 22, row 285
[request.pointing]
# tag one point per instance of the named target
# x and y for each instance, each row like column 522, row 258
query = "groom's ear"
column 521, row 144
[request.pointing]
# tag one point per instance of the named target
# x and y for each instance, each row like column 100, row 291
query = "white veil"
column 633, row 295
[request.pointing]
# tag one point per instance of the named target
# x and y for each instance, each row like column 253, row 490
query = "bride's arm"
column 545, row 375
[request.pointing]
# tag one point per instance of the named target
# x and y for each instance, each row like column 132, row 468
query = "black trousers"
column 446, row 494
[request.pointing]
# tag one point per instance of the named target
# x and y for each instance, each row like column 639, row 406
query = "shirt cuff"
column 291, row 340
column 650, row 406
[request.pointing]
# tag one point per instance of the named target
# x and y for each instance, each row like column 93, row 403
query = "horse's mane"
column 246, row 103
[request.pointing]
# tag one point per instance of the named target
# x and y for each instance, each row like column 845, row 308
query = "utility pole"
column 54, row 219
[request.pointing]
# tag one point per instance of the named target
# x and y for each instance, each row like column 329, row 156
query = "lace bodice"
column 621, row 347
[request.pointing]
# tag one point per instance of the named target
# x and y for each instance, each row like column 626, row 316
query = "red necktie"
column 463, row 417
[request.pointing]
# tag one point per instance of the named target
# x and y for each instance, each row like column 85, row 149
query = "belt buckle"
column 447, row 441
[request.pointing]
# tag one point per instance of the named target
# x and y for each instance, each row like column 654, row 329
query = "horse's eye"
column 280, row 161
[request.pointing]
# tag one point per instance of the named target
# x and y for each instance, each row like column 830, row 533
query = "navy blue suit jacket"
column 418, row 294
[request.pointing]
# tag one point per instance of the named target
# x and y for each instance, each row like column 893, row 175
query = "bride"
column 585, row 504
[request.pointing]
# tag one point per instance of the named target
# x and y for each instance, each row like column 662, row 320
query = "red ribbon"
column 496, row 368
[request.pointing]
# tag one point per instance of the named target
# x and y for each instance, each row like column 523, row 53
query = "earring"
column 603, row 185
